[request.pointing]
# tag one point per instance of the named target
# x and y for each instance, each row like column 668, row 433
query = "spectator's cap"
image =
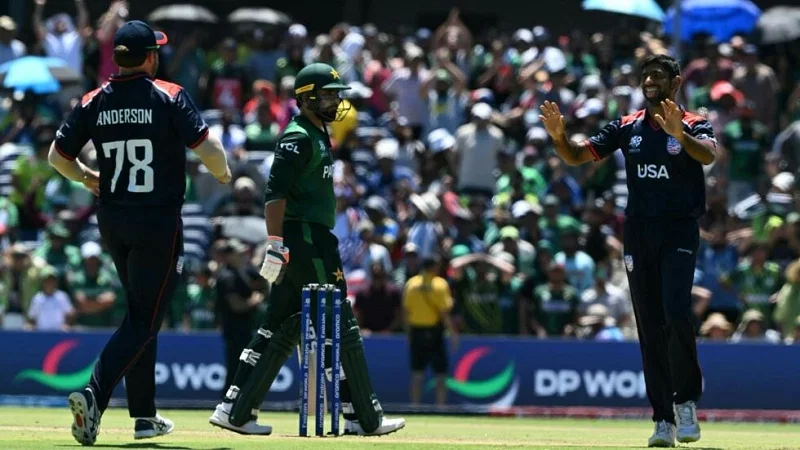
column 459, row 250
column 715, row 320
column 19, row 249
column 555, row 62
column 573, row 229
column 482, row 111
column 427, row 204
column 423, row 34
column 793, row 217
column 57, row 229
column 783, row 181
column 244, row 184
column 484, row 95
column 287, row 83
column 595, row 315
column 522, row 208
column 723, row 88
column 550, row 200
column 139, row 38
column 229, row 44
column 523, row 35
column 369, row 30
column 545, row 245
column 591, row 82
column 752, row 315
column 48, row 272
column 7, row 23
column 750, row 49
column 626, row 69
column 440, row 140
column 387, row 148
column 509, row 232
column 298, row 30
column 622, row 91
column 413, row 52
column 554, row 265
column 540, row 34
column 536, row 134
column 591, row 107
column 377, row 203
column 410, row 248
column 91, row 249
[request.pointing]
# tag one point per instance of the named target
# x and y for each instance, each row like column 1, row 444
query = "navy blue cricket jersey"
column 140, row 127
column 663, row 180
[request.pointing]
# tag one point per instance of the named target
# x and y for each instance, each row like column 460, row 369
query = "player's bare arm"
column 672, row 123
column 274, row 211
column 74, row 170
column 554, row 123
column 212, row 154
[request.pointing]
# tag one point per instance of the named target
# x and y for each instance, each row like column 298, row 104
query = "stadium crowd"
column 441, row 158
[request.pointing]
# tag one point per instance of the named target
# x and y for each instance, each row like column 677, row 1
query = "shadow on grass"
column 148, row 445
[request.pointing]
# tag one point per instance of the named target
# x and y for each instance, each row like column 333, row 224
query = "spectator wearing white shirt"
column 444, row 94
column 606, row 294
column 10, row 48
column 404, row 88
column 578, row 264
column 51, row 309
column 477, row 145
column 59, row 37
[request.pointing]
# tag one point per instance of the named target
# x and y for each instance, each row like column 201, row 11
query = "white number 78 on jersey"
column 129, row 148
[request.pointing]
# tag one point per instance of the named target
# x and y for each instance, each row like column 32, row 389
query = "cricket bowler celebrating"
column 300, row 210
column 665, row 148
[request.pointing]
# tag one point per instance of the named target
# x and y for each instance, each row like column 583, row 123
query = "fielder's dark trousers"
column 145, row 244
column 660, row 260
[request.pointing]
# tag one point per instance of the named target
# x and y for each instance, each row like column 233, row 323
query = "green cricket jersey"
column 302, row 173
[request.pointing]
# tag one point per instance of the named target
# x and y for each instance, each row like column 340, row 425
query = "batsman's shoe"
column 663, row 436
column 687, row 424
column 85, row 416
column 150, row 427
column 388, row 426
column 221, row 418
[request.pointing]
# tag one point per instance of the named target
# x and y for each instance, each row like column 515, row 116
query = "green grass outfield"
column 48, row 428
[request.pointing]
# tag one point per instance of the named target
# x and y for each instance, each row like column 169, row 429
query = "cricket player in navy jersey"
column 140, row 128
column 665, row 148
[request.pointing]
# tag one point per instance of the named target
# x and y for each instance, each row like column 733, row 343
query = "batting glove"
column 276, row 259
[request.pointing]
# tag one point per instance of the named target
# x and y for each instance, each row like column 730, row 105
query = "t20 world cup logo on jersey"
column 673, row 146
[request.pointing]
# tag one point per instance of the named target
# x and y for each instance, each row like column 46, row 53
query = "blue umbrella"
column 32, row 73
column 719, row 18
column 648, row 9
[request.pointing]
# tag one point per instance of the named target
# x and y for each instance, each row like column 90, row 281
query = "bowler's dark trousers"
column 146, row 244
column 660, row 259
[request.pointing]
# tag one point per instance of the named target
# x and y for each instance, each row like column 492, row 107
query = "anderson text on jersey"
column 125, row 116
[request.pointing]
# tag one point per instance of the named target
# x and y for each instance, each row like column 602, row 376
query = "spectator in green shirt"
column 553, row 224
column 93, row 289
column 264, row 132
column 30, row 176
column 552, row 308
column 201, row 302
column 746, row 140
column 57, row 252
column 756, row 280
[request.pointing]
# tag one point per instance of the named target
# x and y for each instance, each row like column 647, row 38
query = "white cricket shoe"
column 388, row 426
column 85, row 416
column 663, row 436
column 687, row 424
column 221, row 418
column 150, row 427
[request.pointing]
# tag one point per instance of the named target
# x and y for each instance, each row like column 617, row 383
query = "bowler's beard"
column 656, row 101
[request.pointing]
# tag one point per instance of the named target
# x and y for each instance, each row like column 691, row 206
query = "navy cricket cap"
column 139, row 37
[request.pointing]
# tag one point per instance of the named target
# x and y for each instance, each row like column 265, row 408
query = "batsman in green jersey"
column 300, row 212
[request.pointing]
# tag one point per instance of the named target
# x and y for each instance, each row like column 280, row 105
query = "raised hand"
column 672, row 120
column 552, row 119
